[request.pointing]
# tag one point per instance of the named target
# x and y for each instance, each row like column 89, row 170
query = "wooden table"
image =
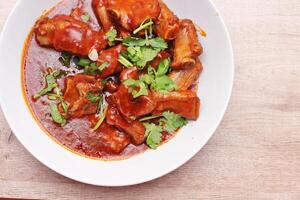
column 254, row 154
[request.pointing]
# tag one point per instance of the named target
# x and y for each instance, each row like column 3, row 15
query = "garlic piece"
column 93, row 55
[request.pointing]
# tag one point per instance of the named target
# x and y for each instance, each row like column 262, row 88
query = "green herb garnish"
column 169, row 122
column 161, row 82
column 65, row 106
column 111, row 36
column 124, row 61
column 56, row 115
column 50, row 84
column 140, row 42
column 172, row 122
column 93, row 98
column 134, row 41
column 83, row 62
column 163, row 67
column 140, row 51
column 149, row 118
column 100, row 121
column 153, row 134
column 138, row 87
column 157, row 80
column 54, row 96
column 140, row 56
column 143, row 26
column 93, row 68
column 103, row 66
column 158, row 43
column 65, row 59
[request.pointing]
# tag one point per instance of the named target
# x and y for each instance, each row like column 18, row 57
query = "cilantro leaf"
column 50, row 82
column 163, row 84
column 158, row 43
column 146, row 78
column 139, row 88
column 52, row 96
column 134, row 41
column 82, row 62
column 153, row 134
column 93, row 98
column 140, row 51
column 65, row 106
column 169, row 122
column 140, row 42
column 111, row 36
column 140, row 56
column 172, row 122
column 163, row 67
column 93, row 68
column 56, row 115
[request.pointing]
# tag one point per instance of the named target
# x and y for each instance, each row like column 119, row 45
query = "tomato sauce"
column 76, row 135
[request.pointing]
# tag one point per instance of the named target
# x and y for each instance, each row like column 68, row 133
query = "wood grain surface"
column 254, row 154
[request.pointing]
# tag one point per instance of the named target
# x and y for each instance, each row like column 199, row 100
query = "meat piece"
column 106, row 139
column 185, row 78
column 131, row 13
column 167, row 24
column 64, row 33
column 111, row 56
column 161, row 56
column 77, row 12
column 187, row 46
column 75, row 94
column 100, row 8
column 135, row 129
column 132, row 108
column 111, row 86
column 184, row 103
column 129, row 73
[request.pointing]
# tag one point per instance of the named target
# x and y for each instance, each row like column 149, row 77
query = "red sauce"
column 76, row 135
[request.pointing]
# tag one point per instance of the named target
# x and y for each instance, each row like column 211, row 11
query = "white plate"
column 215, row 90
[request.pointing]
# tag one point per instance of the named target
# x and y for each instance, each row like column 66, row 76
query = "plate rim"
column 166, row 170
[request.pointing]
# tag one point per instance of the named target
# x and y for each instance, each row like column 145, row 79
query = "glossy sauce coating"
column 120, row 134
column 131, row 13
column 64, row 33
column 76, row 135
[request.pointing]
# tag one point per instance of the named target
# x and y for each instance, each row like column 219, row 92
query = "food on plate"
column 111, row 78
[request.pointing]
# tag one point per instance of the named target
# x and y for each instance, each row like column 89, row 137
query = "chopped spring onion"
column 125, row 62
column 143, row 26
column 103, row 66
column 149, row 118
column 100, row 121
column 56, row 116
column 83, row 62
